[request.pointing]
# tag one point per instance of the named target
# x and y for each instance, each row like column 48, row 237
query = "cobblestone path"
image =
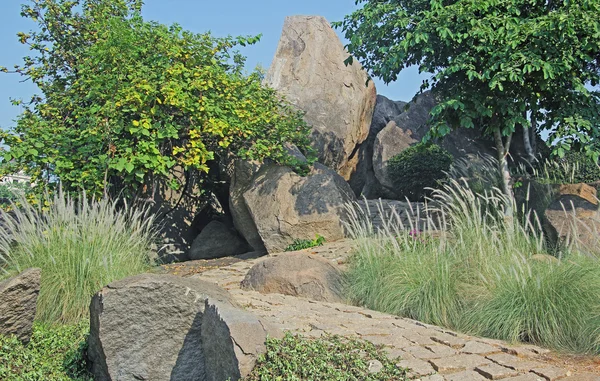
column 432, row 353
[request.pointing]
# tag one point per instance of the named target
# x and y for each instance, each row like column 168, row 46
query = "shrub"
column 327, row 359
column 80, row 245
column 55, row 353
column 417, row 168
column 479, row 276
column 300, row 244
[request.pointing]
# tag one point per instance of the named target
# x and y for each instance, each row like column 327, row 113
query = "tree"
column 493, row 64
column 125, row 103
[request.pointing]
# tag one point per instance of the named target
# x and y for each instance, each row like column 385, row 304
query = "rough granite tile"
column 479, row 348
column 458, row 363
column 417, row 368
column 494, row 371
column 468, row 375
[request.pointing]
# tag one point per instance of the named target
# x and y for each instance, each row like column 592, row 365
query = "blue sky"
column 222, row 18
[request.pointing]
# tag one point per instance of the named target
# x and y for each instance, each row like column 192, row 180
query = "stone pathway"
column 431, row 353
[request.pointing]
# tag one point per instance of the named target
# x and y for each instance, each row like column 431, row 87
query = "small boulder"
column 164, row 327
column 18, row 304
column 573, row 217
column 286, row 206
column 296, row 274
column 308, row 68
column 216, row 240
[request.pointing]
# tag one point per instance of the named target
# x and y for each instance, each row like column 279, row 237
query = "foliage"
column 294, row 358
column 491, row 62
column 126, row 102
column 11, row 192
column 55, row 353
column 482, row 274
column 480, row 173
column 574, row 167
column 300, row 244
column 417, row 168
column 81, row 245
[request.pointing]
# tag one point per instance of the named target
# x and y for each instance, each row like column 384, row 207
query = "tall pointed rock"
column 308, row 69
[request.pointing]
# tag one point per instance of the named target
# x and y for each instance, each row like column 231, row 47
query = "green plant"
column 81, row 245
column 483, row 273
column 554, row 305
column 128, row 104
column 300, row 244
column 10, row 193
column 55, row 353
column 330, row 358
column 417, row 168
column 574, row 167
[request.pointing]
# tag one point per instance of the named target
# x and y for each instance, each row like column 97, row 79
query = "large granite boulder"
column 286, row 206
column 308, row 68
column 573, row 217
column 241, row 180
column 217, row 240
column 164, row 327
column 296, row 274
column 18, row 303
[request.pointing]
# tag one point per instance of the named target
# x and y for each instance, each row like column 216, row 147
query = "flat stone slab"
column 468, row 375
column 494, row 371
column 417, row 367
column 458, row 363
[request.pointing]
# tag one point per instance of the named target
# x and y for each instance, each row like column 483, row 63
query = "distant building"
column 16, row 178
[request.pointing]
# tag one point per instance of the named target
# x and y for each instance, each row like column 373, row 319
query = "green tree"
column 495, row 64
column 126, row 103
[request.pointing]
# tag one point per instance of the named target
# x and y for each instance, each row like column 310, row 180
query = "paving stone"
column 397, row 354
column 398, row 341
column 551, row 373
column 433, row 377
column 479, row 348
column 582, row 377
column 519, row 351
column 417, row 368
column 468, row 375
column 449, row 340
column 441, row 350
column 421, row 352
column 458, row 363
column 494, row 371
column 526, row 377
column 377, row 339
column 512, row 362
column 417, row 338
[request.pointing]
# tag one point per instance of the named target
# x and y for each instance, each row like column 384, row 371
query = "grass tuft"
column 81, row 245
column 484, row 274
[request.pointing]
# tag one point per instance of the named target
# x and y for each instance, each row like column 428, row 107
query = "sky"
column 221, row 17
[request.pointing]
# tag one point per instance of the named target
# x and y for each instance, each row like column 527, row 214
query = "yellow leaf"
column 136, row 123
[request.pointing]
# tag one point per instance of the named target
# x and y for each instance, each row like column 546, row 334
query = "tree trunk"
column 533, row 130
column 503, row 148
column 528, row 146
